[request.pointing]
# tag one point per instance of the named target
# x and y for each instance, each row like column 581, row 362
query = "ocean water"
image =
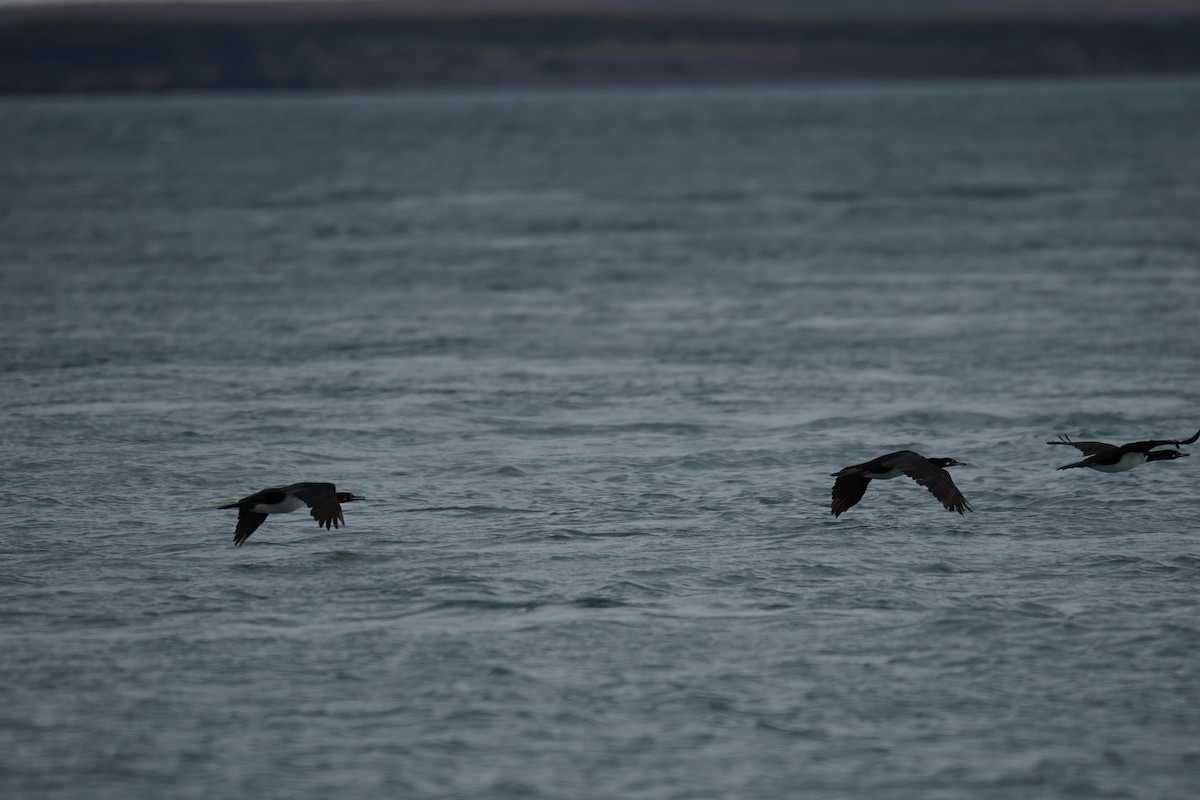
column 591, row 357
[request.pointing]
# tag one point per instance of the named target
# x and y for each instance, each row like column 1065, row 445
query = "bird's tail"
column 1076, row 464
column 231, row 505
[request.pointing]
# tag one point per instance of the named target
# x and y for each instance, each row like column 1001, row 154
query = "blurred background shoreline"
column 354, row 45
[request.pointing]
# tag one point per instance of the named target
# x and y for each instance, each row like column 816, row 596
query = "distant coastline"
column 158, row 48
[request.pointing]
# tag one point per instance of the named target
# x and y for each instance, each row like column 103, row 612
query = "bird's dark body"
column 1105, row 457
column 852, row 481
column 322, row 498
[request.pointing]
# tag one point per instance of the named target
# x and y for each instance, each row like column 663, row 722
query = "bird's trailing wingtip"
column 1192, row 440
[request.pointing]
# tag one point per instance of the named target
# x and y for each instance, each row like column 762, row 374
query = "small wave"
column 994, row 191
column 599, row 602
column 483, row 604
column 474, row 509
column 1126, row 564
column 349, row 555
column 578, row 533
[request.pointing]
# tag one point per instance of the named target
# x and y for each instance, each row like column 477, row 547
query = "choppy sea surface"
column 591, row 357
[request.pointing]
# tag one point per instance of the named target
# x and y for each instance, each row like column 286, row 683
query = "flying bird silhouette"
column 1107, row 457
column 323, row 498
column 852, row 482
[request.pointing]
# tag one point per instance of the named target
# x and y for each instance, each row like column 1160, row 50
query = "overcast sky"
column 816, row 7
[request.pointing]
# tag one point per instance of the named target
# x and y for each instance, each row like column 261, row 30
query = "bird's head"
column 348, row 497
column 947, row 462
column 1165, row 455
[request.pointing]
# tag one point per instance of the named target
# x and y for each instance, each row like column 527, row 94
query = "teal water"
column 592, row 357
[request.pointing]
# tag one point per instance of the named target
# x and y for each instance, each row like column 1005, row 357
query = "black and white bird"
column 851, row 483
column 1118, row 458
column 323, row 498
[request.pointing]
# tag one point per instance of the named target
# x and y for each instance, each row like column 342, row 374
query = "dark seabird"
column 323, row 498
column 1118, row 458
column 851, row 483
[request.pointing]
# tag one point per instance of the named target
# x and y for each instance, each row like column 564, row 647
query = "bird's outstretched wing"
column 268, row 497
column 935, row 479
column 1087, row 448
column 248, row 522
column 1148, row 445
column 321, row 498
column 847, row 491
